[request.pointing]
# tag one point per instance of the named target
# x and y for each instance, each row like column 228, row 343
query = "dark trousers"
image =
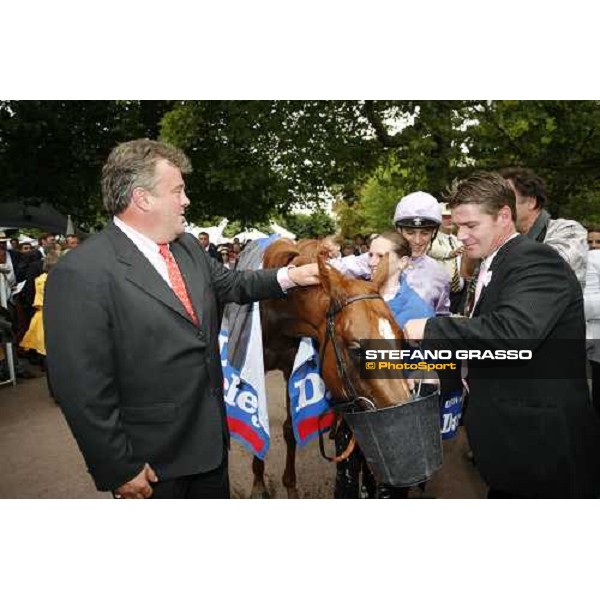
column 211, row 485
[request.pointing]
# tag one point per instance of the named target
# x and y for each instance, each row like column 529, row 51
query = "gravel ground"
column 40, row 459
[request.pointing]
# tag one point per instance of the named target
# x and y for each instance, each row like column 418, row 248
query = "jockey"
column 417, row 217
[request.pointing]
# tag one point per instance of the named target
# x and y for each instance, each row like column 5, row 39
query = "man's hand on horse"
column 305, row 275
column 139, row 487
column 415, row 329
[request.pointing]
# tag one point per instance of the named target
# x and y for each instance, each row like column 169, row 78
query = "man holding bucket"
column 531, row 426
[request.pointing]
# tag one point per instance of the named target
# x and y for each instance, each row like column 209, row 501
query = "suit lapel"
column 140, row 272
column 495, row 269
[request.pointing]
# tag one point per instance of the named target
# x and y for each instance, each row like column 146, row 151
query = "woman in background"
column 34, row 337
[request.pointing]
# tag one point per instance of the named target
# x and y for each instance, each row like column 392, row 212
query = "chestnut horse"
column 354, row 310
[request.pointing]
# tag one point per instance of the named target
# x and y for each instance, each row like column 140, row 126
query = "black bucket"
column 401, row 444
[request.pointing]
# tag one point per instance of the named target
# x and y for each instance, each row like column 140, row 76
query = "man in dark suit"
column 530, row 425
column 132, row 335
column 208, row 246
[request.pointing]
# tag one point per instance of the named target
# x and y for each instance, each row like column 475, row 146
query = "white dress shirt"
column 147, row 247
column 151, row 251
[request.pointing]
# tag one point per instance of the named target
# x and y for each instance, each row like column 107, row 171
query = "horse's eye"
column 354, row 350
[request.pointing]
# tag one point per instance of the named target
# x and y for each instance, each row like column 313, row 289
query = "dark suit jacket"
column 213, row 252
column 531, row 436
column 137, row 380
column 15, row 256
column 30, row 267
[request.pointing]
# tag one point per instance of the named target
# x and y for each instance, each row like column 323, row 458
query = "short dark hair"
column 527, row 184
column 491, row 191
column 45, row 236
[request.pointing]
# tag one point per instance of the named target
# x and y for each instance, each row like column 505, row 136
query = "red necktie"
column 177, row 281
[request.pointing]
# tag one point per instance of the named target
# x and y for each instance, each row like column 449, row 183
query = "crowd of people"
column 24, row 266
column 142, row 391
column 226, row 253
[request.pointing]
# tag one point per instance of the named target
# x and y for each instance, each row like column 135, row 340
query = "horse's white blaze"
column 385, row 329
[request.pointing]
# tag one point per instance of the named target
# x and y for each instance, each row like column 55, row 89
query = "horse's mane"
column 285, row 252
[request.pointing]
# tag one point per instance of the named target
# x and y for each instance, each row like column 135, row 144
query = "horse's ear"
column 325, row 249
column 331, row 280
column 381, row 272
column 280, row 254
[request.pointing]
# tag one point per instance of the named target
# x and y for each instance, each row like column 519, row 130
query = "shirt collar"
column 138, row 238
column 488, row 260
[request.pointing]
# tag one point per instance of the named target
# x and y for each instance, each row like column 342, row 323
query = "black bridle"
column 352, row 399
column 332, row 311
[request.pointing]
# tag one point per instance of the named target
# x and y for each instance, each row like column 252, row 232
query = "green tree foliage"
column 559, row 140
column 255, row 159
column 380, row 194
column 427, row 150
column 440, row 141
column 313, row 226
column 420, row 147
column 54, row 150
column 350, row 218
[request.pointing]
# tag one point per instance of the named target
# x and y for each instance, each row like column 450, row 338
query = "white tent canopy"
column 250, row 234
column 215, row 233
column 23, row 239
column 282, row 231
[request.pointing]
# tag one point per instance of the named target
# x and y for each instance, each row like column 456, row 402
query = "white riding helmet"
column 418, row 210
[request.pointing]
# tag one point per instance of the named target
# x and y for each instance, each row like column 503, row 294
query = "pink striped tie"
column 177, row 281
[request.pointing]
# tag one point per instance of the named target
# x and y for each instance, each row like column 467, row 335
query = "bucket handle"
column 416, row 391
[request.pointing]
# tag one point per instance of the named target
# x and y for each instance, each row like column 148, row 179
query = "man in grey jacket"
column 567, row 237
